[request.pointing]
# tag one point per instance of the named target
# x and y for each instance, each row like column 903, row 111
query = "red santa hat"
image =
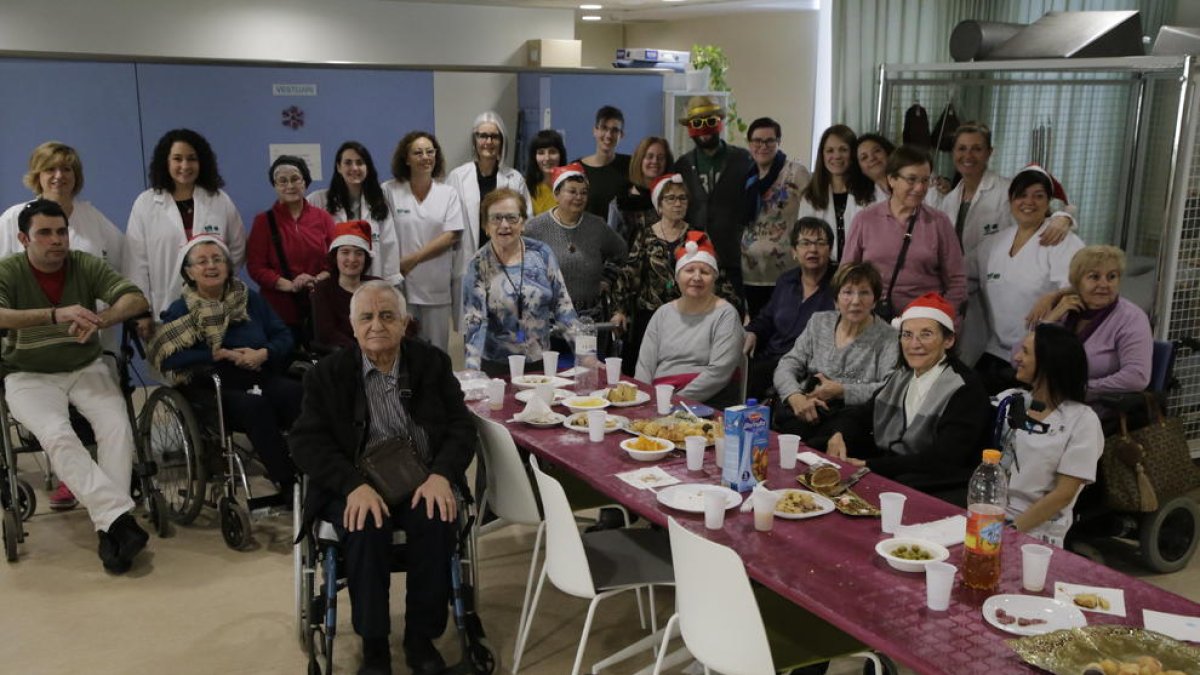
column 564, row 172
column 196, row 241
column 1056, row 188
column 928, row 306
column 352, row 233
column 661, row 184
column 697, row 248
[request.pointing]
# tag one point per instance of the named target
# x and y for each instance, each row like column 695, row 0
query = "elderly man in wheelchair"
column 48, row 298
column 384, row 436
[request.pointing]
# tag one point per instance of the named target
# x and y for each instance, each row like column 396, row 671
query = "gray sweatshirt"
column 710, row 344
column 860, row 366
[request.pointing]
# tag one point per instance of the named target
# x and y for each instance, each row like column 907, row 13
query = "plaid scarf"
column 206, row 320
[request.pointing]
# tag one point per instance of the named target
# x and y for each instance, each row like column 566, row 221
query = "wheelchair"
column 199, row 461
column 317, row 562
column 18, row 500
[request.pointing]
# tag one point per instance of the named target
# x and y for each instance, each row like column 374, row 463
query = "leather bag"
column 1149, row 466
column 394, row 468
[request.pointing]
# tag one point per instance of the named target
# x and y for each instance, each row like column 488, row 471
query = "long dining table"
column 828, row 564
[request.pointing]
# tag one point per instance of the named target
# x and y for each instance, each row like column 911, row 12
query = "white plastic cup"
column 550, row 363
column 764, row 509
column 891, row 504
column 939, row 580
column 545, row 392
column 596, row 420
column 1035, row 562
column 495, row 392
column 789, row 445
column 662, row 394
column 612, row 368
column 694, row 445
column 516, row 366
column 714, row 509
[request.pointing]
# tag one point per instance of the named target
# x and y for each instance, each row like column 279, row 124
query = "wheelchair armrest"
column 129, row 336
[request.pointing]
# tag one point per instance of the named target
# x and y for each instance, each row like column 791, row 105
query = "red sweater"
column 305, row 244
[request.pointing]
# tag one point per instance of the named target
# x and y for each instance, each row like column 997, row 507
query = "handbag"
column 394, row 468
column 1149, row 466
column 884, row 309
column 947, row 124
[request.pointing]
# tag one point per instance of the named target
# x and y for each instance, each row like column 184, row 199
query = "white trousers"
column 39, row 402
column 435, row 323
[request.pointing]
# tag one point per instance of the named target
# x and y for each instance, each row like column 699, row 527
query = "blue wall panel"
column 92, row 107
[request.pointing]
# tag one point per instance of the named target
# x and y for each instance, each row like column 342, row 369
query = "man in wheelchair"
column 392, row 410
column 51, row 359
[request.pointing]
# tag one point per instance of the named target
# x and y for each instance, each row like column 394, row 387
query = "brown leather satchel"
column 1148, row 466
column 394, row 468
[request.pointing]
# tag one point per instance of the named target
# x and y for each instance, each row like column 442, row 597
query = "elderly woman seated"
column 222, row 324
column 350, row 258
column 694, row 342
column 929, row 422
column 841, row 358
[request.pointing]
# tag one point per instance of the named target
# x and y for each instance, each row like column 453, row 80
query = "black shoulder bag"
column 884, row 308
column 303, row 306
column 395, row 467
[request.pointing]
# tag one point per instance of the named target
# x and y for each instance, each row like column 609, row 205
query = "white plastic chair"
column 597, row 565
column 716, row 612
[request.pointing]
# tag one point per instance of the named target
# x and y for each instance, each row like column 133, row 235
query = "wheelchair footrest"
column 145, row 469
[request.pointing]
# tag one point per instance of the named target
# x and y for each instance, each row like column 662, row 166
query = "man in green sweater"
column 51, row 358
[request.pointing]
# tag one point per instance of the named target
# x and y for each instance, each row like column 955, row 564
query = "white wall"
column 369, row 31
column 459, row 97
column 772, row 68
column 600, row 42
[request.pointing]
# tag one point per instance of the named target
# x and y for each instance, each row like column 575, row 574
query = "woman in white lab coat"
column 184, row 200
column 473, row 181
column 354, row 194
column 837, row 189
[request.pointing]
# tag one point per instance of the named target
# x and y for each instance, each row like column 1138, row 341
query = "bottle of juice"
column 987, row 496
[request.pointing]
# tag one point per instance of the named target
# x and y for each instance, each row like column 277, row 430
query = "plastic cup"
column 596, row 420
column 694, row 446
column 550, row 363
column 939, row 580
column 891, row 504
column 545, row 392
column 1035, row 562
column 612, row 368
column 789, row 445
column 495, row 392
column 714, row 509
column 516, row 366
column 764, row 509
column 662, row 394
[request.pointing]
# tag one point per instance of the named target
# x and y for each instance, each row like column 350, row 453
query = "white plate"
column 559, row 394
column 621, row 423
column 937, row 551
column 552, row 419
column 530, row 381
column 690, row 497
column 825, row 504
column 639, row 399
column 1058, row 615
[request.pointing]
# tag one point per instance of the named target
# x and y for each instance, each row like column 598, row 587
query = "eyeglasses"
column 417, row 152
column 764, row 142
column 811, row 243
column 615, row 131
column 674, row 198
column 913, row 181
column 289, row 180
column 701, row 122
column 925, row 337
column 510, row 218
column 205, row 262
column 485, row 136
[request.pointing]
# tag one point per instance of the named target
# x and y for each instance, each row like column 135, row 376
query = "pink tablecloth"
column 828, row 564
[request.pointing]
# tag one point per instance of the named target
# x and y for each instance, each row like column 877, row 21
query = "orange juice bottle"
column 987, row 497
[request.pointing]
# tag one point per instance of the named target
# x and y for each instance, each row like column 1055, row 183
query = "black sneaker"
column 422, row 657
column 129, row 537
column 108, row 555
column 377, row 657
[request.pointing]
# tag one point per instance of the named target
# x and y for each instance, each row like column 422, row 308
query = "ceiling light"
column 672, row 0
column 591, row 17
column 591, row 7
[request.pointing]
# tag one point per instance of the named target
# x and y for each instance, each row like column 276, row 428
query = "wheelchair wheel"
column 305, row 583
column 11, row 534
column 26, row 500
column 235, row 523
column 1169, row 535
column 171, row 437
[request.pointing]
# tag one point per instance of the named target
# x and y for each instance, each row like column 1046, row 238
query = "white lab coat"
column 155, row 235
column 385, row 247
column 463, row 180
column 807, row 210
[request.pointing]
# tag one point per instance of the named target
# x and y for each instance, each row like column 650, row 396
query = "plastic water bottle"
column 987, row 497
column 585, row 356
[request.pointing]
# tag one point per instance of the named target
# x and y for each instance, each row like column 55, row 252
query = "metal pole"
column 881, row 105
column 1131, row 163
column 1168, row 263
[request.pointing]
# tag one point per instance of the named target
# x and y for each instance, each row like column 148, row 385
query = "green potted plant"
column 713, row 58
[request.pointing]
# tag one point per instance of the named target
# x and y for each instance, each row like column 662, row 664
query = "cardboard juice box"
column 747, row 437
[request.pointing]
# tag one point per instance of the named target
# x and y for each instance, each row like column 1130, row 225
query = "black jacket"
column 722, row 212
column 331, row 430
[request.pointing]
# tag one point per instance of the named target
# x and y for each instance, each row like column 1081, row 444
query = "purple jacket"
column 1120, row 351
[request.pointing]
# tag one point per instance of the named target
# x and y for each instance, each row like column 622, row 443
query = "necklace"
column 518, row 288
column 566, row 228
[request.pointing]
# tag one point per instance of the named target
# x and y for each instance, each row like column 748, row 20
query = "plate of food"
column 1031, row 614
column 530, row 381
column 1107, row 648
column 911, row 555
column 647, row 448
column 848, row 502
column 578, row 422
column 560, row 395
column 548, row 419
column 678, row 426
column 800, row 504
column 690, row 497
column 623, row 395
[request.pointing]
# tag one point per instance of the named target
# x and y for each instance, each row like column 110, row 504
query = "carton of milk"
column 747, row 437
